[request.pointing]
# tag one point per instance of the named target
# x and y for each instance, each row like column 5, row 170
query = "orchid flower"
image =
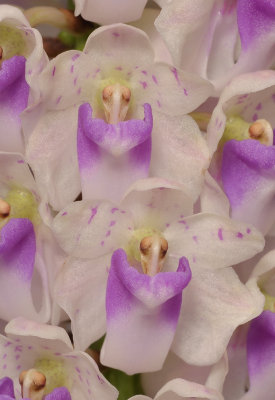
column 115, row 75
column 153, row 210
column 243, row 122
column 29, row 255
column 219, row 39
column 40, row 360
column 21, row 59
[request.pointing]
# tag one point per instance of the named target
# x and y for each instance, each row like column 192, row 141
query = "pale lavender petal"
column 60, row 393
column 142, row 315
column 6, row 387
column 14, row 93
column 17, row 248
column 248, row 176
column 112, row 156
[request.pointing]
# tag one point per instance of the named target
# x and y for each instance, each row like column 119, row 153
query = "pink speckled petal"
column 89, row 229
column 213, row 241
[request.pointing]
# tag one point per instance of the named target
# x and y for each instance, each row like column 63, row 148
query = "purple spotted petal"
column 6, row 387
column 111, row 157
column 17, row 248
column 255, row 18
column 142, row 315
column 14, row 93
column 248, row 176
column 60, row 393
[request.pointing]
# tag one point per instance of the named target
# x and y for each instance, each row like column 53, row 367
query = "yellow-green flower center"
column 269, row 301
column 12, row 41
column 237, row 128
column 22, row 205
column 133, row 247
column 55, row 372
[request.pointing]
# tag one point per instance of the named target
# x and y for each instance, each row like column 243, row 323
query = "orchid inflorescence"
column 137, row 200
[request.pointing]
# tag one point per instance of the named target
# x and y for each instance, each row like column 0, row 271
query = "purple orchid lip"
column 18, row 247
column 255, row 18
column 6, row 388
column 111, row 157
column 142, row 314
column 248, row 174
column 14, row 94
column 11, row 70
column 116, row 139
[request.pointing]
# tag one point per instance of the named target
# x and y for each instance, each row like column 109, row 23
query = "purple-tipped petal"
column 248, row 176
column 142, row 315
column 6, row 387
column 112, row 156
column 60, row 393
column 14, row 93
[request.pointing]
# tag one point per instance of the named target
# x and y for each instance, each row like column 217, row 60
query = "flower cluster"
column 137, row 200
